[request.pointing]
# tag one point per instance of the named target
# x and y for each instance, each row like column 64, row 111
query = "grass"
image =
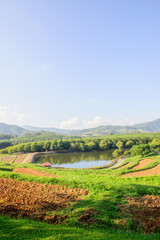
column 107, row 189
column 24, row 229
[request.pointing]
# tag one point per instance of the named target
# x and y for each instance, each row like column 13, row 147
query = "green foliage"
column 52, row 142
column 155, row 143
column 142, row 149
column 129, row 143
column 119, row 144
column 117, row 153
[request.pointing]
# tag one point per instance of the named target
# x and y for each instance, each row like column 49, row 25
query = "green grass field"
column 106, row 188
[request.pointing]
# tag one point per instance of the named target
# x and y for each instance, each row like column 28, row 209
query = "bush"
column 142, row 149
column 117, row 153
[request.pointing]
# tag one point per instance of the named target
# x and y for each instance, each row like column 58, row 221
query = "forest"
column 139, row 143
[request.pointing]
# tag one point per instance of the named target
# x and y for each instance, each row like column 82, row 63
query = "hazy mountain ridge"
column 12, row 129
column 152, row 126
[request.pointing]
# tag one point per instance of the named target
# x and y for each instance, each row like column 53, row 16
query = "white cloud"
column 77, row 123
column 97, row 121
column 12, row 116
column 72, row 123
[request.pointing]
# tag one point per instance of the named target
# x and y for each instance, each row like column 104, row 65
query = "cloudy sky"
column 79, row 64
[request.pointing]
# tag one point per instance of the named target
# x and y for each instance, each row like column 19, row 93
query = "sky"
column 79, row 64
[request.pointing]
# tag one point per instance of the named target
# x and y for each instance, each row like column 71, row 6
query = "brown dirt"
column 87, row 216
column 34, row 172
column 143, row 163
column 144, row 211
column 147, row 172
column 7, row 159
column 20, row 158
column 34, row 200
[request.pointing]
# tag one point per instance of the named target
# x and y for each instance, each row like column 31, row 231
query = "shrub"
column 142, row 149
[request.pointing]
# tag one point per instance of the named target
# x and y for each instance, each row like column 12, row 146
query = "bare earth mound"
column 148, row 172
column 145, row 212
column 29, row 199
column 34, row 172
column 143, row 163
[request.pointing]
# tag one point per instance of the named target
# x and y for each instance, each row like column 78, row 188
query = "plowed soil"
column 34, row 200
column 20, row 158
column 147, row 172
column 34, row 172
column 143, row 163
column 144, row 211
column 7, row 159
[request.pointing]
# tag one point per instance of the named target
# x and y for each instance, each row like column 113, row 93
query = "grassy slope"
column 106, row 191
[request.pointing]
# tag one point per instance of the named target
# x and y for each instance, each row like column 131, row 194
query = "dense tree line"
column 6, row 136
column 119, row 142
column 9, row 140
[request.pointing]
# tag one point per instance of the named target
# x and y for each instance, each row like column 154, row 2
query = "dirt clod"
column 87, row 216
column 144, row 211
column 34, row 200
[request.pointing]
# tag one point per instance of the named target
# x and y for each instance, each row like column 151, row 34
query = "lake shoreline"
column 111, row 164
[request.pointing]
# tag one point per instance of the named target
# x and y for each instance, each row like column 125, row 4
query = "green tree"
column 119, row 144
column 34, row 147
column 142, row 149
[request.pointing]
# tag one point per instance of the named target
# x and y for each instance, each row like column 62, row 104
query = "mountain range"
column 152, row 126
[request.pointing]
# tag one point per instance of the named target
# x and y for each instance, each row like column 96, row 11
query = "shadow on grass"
column 21, row 229
column 6, row 169
column 107, row 205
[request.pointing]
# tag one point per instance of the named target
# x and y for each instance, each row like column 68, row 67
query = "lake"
column 76, row 159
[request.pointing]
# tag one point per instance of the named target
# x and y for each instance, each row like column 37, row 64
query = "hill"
column 12, row 129
column 152, row 126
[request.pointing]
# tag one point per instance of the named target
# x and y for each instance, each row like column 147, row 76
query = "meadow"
column 101, row 203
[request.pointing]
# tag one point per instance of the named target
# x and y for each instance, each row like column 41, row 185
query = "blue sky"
column 79, row 64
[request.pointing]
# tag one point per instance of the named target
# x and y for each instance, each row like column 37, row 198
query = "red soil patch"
column 34, row 200
column 34, row 172
column 144, row 211
column 7, row 159
column 143, row 163
column 147, row 172
column 20, row 158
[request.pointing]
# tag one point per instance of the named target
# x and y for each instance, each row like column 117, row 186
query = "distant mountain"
column 152, row 126
column 56, row 130
column 12, row 129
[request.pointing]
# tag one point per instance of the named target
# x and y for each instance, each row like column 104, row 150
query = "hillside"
column 12, row 129
column 99, row 203
column 152, row 126
column 52, row 129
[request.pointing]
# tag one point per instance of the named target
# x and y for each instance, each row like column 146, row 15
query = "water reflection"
column 76, row 160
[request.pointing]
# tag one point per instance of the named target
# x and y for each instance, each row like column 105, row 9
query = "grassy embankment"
column 106, row 192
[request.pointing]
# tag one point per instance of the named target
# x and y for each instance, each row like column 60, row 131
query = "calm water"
column 76, row 160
